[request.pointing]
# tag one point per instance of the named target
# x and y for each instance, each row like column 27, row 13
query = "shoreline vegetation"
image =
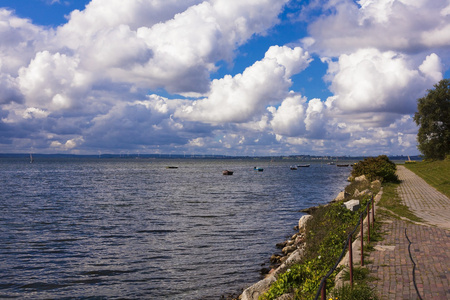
column 307, row 256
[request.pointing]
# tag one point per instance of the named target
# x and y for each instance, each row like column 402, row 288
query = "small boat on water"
column 304, row 166
column 331, row 163
column 342, row 165
column 171, row 167
column 31, row 158
column 227, row 172
column 259, row 169
column 293, row 167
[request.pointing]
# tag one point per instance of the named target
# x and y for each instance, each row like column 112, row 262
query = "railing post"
column 373, row 214
column 368, row 224
column 362, row 239
column 323, row 293
column 350, row 261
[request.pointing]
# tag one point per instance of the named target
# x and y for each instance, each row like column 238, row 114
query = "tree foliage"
column 380, row 167
column 433, row 117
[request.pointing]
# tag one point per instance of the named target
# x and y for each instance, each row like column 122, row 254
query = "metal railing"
column 348, row 243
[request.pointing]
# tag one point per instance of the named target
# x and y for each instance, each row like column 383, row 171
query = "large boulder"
column 289, row 249
column 294, row 258
column 361, row 178
column 376, row 184
column 352, row 205
column 262, row 286
column 363, row 193
column 366, row 192
column 341, row 196
column 259, row 288
column 303, row 221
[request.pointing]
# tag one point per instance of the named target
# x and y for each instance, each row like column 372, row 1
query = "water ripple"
column 128, row 229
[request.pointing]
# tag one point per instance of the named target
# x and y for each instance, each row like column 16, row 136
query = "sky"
column 219, row 77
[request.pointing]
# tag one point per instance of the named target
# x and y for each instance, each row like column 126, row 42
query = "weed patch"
column 358, row 292
column 391, row 201
column 326, row 235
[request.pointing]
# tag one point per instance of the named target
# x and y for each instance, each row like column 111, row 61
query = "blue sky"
column 45, row 12
column 262, row 77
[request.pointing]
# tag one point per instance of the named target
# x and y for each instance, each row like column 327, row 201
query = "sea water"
column 134, row 229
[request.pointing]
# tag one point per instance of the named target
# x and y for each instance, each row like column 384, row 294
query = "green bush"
column 374, row 168
column 288, row 281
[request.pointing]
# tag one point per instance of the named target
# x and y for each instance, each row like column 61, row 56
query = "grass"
column 435, row 173
column 326, row 235
column 376, row 235
column 329, row 228
column 359, row 274
column 327, row 232
column 391, row 201
column 358, row 292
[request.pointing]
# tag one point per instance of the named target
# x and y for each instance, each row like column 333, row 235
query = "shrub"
column 326, row 235
column 376, row 168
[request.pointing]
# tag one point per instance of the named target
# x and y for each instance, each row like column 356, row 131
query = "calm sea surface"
column 132, row 229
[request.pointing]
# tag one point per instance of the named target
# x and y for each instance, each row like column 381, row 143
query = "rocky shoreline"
column 296, row 242
column 291, row 252
column 292, row 249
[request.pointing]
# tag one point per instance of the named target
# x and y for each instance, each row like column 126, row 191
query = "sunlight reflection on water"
column 122, row 228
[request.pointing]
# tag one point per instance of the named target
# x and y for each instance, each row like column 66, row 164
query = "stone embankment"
column 293, row 249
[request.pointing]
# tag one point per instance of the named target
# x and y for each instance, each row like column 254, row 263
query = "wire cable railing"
column 348, row 243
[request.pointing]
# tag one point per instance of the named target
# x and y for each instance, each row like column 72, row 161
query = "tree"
column 373, row 168
column 433, row 117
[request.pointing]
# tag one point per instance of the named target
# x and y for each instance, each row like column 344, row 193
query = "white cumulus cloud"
column 136, row 74
column 373, row 81
column 289, row 118
column 244, row 96
column 398, row 25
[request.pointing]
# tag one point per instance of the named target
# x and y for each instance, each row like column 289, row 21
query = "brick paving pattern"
column 424, row 200
column 430, row 247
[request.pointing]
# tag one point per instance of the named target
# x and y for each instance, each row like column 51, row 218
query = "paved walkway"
column 424, row 200
column 430, row 246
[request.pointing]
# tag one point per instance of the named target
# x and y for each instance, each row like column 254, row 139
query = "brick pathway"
column 424, row 200
column 430, row 248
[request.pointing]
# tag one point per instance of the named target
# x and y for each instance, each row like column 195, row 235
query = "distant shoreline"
column 302, row 158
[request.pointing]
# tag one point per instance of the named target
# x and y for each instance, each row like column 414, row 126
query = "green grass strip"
column 391, row 200
column 435, row 173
